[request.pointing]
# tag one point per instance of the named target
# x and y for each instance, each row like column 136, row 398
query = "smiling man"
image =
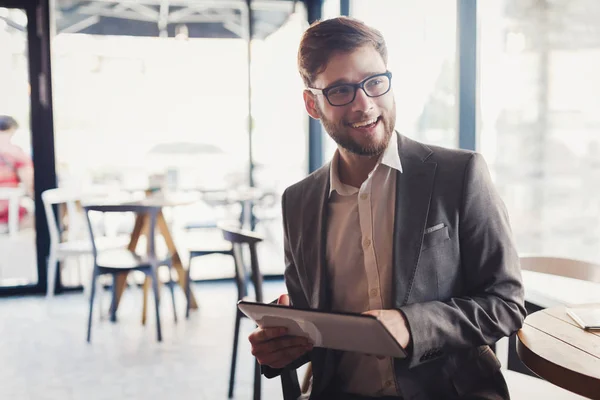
column 413, row 234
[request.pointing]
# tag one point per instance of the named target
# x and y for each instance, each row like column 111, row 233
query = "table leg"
column 145, row 305
column 120, row 280
column 163, row 228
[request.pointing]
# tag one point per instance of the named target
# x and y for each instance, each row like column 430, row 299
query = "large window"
column 130, row 107
column 280, row 126
column 421, row 40
column 148, row 96
column 539, row 121
column 18, row 262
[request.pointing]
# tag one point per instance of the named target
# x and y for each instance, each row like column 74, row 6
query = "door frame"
column 42, row 129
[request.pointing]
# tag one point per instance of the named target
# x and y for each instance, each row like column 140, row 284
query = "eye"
column 375, row 82
column 343, row 90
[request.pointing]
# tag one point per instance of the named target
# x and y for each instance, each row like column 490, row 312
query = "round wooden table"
column 554, row 347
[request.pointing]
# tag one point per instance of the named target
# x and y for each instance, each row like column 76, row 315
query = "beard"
column 339, row 131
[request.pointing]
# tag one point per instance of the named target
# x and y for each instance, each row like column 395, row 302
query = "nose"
column 362, row 102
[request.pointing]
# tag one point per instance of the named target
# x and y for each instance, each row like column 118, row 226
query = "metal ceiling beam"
column 81, row 25
column 180, row 14
column 132, row 15
column 145, row 10
column 256, row 4
column 163, row 18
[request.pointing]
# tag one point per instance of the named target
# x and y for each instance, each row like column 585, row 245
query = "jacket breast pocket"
column 435, row 236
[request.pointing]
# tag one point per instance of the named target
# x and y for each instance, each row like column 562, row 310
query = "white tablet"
column 333, row 330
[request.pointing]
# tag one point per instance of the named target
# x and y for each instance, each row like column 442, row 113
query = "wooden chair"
column 243, row 276
column 239, row 238
column 565, row 267
column 115, row 262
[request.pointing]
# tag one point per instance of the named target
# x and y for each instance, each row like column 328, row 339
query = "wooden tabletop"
column 554, row 347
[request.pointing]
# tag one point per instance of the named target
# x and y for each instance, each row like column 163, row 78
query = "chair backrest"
column 239, row 237
column 53, row 197
column 13, row 195
column 151, row 210
column 566, row 267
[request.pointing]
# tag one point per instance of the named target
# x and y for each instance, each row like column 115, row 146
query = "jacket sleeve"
column 292, row 283
column 492, row 303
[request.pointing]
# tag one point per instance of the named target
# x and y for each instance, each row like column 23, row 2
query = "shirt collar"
column 390, row 158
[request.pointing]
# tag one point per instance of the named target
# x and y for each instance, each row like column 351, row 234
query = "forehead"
column 351, row 67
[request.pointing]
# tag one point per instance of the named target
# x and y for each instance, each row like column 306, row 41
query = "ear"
column 310, row 104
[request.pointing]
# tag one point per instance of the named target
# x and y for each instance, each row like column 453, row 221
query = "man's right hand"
column 273, row 347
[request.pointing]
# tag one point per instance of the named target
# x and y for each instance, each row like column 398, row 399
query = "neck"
column 353, row 169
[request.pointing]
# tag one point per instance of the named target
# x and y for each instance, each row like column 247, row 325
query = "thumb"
column 374, row 313
column 284, row 300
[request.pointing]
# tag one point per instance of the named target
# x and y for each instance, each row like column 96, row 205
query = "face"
column 7, row 134
column 363, row 127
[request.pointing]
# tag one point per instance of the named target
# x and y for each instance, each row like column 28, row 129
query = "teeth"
column 364, row 123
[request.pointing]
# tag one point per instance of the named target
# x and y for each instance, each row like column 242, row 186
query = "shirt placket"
column 365, row 212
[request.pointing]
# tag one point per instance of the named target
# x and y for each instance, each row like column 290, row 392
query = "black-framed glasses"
column 345, row 93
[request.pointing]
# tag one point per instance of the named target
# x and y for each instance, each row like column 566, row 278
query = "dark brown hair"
column 7, row 122
column 324, row 38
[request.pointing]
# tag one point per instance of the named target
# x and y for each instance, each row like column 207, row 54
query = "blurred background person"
column 16, row 169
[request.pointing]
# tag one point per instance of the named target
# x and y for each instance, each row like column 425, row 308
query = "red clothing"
column 12, row 159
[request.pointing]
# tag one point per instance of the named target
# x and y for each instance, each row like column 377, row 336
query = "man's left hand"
column 395, row 322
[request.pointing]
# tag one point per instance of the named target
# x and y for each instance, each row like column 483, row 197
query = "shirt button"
column 367, row 242
column 374, row 292
column 388, row 383
column 364, row 196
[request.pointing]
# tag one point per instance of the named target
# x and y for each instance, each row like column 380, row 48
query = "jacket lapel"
column 413, row 195
column 314, row 239
column 314, row 235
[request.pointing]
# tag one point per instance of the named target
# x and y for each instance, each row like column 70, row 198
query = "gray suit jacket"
column 456, row 272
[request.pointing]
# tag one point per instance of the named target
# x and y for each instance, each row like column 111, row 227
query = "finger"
column 278, row 345
column 260, row 335
column 374, row 313
column 283, row 358
column 284, row 300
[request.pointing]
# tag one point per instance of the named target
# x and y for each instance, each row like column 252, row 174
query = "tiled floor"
column 44, row 354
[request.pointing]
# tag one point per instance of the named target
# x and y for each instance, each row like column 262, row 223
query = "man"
column 16, row 168
column 413, row 234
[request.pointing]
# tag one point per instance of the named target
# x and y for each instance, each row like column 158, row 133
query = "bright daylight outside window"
column 146, row 99
column 539, row 66
column 421, row 40
column 18, row 262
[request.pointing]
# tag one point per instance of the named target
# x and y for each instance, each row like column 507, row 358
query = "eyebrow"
column 345, row 81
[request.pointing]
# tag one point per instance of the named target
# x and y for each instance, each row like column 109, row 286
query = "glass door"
column 26, row 145
column 18, row 260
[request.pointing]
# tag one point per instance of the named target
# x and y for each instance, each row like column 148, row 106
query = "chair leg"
column 154, row 276
column 79, row 274
column 171, row 284
column 113, row 302
column 236, row 335
column 256, row 380
column 52, row 270
column 187, row 293
column 92, row 294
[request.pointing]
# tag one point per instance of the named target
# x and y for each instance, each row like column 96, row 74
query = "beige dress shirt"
column 359, row 262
